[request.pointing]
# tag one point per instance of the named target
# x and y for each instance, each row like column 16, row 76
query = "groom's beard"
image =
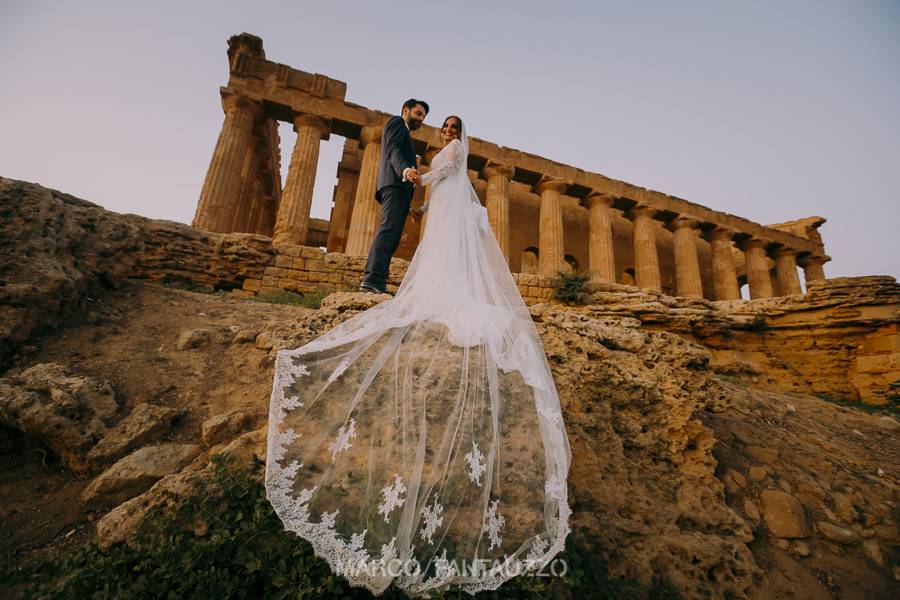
column 413, row 124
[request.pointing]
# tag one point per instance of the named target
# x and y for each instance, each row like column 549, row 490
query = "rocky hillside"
column 693, row 460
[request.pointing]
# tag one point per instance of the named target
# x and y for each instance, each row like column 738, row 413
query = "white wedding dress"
column 421, row 442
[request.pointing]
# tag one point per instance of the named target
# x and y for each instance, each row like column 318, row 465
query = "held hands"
column 412, row 175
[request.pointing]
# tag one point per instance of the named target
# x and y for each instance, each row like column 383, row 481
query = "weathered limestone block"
column 841, row 535
column 136, row 473
column 64, row 412
column 193, row 480
column 784, row 515
column 224, row 427
column 145, row 423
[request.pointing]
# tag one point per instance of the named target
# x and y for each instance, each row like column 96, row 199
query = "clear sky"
column 771, row 110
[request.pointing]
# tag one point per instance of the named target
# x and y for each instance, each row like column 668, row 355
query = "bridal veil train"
column 421, row 442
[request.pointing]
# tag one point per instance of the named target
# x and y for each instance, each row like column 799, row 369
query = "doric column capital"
column 322, row 124
column 682, row 222
column 641, row 210
column 370, row 135
column 720, row 233
column 232, row 102
column 753, row 244
column 495, row 168
column 551, row 184
column 812, row 260
column 785, row 252
column 598, row 199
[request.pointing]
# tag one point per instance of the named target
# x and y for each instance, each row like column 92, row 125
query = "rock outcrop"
column 706, row 445
column 58, row 251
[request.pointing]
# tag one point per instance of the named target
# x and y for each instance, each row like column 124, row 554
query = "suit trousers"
column 395, row 201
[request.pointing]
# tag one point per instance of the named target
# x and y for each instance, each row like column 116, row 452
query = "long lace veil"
column 421, row 442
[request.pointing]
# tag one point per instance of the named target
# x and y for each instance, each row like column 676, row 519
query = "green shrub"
column 308, row 300
column 246, row 553
column 572, row 287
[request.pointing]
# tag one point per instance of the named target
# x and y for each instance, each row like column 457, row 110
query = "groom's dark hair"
column 412, row 102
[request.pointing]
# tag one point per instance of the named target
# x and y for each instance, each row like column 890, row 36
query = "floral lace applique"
column 297, row 371
column 327, row 519
column 537, row 552
column 494, row 522
column 342, row 442
column 475, row 459
column 388, row 551
column 356, row 541
column 392, row 498
column 433, row 519
column 442, row 567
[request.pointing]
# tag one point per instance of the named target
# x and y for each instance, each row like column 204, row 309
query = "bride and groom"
column 420, row 442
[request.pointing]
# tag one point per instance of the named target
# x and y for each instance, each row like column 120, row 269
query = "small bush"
column 572, row 287
column 308, row 300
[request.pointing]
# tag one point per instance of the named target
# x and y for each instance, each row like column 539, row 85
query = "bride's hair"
column 452, row 117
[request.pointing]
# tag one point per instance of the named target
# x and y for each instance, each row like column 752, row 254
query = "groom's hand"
column 413, row 176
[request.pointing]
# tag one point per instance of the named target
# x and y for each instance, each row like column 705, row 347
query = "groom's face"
column 414, row 116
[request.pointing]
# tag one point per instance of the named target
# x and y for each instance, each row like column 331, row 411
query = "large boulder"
column 136, row 473
column 66, row 413
column 144, row 424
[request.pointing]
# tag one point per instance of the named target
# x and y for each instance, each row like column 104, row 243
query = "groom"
column 397, row 175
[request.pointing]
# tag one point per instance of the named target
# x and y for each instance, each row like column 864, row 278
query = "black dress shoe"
column 366, row 287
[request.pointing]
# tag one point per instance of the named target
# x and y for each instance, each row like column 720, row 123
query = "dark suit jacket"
column 397, row 154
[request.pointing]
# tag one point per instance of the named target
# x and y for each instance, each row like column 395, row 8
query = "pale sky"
column 771, row 110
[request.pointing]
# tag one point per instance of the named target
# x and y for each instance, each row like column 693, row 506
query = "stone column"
column 813, row 268
column 786, row 272
column 366, row 212
column 242, row 218
column 292, row 220
column 687, row 265
column 344, row 194
column 266, row 225
column 220, row 195
column 550, row 240
column 725, row 285
column 758, row 279
column 646, row 258
column 498, row 176
column 601, row 258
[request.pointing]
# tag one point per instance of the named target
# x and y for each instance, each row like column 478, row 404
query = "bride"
column 421, row 442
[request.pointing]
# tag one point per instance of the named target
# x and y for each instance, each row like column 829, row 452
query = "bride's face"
column 450, row 130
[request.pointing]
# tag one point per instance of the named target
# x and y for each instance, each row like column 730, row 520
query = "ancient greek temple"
column 546, row 215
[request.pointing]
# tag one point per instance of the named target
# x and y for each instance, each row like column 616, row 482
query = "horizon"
column 807, row 123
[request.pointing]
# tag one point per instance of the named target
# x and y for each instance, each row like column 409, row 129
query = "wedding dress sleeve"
column 452, row 165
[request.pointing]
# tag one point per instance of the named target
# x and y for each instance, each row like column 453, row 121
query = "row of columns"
column 239, row 154
column 646, row 257
column 233, row 198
